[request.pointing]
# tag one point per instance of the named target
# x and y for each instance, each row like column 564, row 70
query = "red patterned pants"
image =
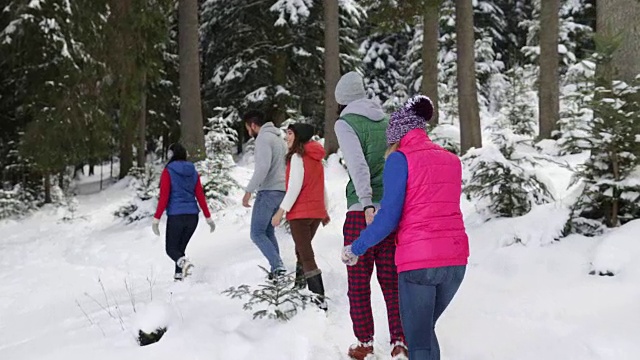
column 383, row 257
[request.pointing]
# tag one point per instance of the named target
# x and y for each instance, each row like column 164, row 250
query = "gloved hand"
column 348, row 257
column 155, row 226
column 212, row 224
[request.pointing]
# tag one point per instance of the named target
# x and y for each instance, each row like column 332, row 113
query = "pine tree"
column 385, row 68
column 576, row 117
column 501, row 176
column 611, row 176
column 278, row 299
column 216, row 168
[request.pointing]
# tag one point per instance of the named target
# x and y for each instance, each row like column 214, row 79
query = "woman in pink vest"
column 422, row 187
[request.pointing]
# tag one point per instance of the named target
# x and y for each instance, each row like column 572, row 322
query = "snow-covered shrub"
column 70, row 204
column 576, row 113
column 447, row 136
column 145, row 181
column 611, row 175
column 151, row 322
column 15, row 202
column 501, row 176
column 278, row 299
column 216, row 168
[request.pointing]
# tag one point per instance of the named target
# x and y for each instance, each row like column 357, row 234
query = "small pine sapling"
column 216, row 168
column 145, row 183
column 277, row 299
column 576, row 115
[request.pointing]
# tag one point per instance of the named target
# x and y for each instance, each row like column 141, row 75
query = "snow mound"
column 618, row 251
column 153, row 316
column 541, row 226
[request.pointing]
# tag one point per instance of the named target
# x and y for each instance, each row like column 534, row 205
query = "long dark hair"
column 179, row 153
column 303, row 134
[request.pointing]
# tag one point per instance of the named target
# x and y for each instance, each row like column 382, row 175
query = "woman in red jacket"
column 305, row 202
column 180, row 187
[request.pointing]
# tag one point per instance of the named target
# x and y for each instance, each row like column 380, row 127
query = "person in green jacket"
column 361, row 136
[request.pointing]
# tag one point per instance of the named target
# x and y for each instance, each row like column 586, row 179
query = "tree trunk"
column 126, row 153
column 549, row 92
column 470, row 131
column 47, row 188
column 331, row 73
column 142, row 122
column 620, row 18
column 278, row 114
column 191, row 124
column 431, row 25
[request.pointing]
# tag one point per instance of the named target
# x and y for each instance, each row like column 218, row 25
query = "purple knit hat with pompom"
column 413, row 115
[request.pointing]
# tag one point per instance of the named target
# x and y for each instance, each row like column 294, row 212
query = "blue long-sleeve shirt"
column 388, row 217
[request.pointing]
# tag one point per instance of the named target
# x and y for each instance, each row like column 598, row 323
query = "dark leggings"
column 180, row 228
column 303, row 231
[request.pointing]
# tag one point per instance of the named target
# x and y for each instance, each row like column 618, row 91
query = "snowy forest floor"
column 532, row 299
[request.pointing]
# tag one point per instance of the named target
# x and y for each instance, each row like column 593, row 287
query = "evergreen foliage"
column 502, row 176
column 577, row 114
column 215, row 170
column 145, row 182
column 277, row 299
column 611, row 176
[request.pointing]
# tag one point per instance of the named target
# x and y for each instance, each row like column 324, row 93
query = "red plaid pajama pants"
column 383, row 257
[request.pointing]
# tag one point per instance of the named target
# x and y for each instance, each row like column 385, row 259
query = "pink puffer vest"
column 431, row 232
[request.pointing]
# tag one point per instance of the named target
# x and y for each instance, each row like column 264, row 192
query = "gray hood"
column 371, row 109
column 269, row 128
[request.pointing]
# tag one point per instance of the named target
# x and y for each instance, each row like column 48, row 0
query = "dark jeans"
column 180, row 228
column 424, row 295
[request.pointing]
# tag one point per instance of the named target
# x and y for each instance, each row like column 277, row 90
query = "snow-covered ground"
column 531, row 298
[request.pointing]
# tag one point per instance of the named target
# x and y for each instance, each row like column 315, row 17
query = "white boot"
column 185, row 265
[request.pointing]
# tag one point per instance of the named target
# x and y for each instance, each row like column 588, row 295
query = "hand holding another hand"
column 348, row 257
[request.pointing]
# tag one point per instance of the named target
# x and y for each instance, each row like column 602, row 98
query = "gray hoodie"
column 352, row 151
column 270, row 152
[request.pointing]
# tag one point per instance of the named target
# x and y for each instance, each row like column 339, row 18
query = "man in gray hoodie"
column 362, row 139
column 269, row 181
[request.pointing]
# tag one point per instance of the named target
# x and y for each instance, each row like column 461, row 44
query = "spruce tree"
column 217, row 166
column 501, row 176
column 611, row 175
column 577, row 115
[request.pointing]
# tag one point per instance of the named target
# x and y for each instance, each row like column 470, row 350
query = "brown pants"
column 303, row 231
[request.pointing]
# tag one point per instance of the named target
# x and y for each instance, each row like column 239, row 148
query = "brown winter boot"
column 399, row 351
column 361, row 351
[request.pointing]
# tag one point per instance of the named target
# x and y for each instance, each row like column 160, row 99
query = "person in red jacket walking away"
column 180, row 187
column 305, row 202
column 421, row 201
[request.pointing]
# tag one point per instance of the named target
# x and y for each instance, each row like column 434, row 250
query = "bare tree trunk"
column 549, row 93
column 47, row 188
column 191, row 123
column 620, row 18
column 431, row 25
column 278, row 113
column 142, row 122
column 470, row 131
column 331, row 72
column 126, row 153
